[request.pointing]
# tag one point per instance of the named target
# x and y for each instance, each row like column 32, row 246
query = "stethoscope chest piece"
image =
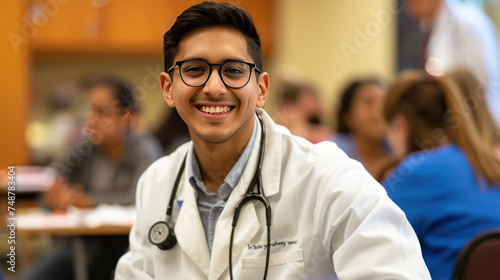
column 162, row 235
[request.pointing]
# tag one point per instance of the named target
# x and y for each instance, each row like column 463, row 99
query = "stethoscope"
column 162, row 233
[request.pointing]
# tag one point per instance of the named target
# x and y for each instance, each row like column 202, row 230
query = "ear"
column 402, row 128
column 346, row 118
column 128, row 116
column 401, row 123
column 263, row 91
column 166, row 88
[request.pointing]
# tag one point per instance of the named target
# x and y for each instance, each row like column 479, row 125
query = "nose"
column 214, row 86
column 92, row 120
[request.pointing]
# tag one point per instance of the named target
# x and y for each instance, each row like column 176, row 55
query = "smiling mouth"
column 215, row 109
column 88, row 132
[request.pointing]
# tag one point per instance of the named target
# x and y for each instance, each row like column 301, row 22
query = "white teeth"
column 215, row 109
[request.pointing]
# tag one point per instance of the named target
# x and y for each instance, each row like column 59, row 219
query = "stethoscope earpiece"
column 162, row 235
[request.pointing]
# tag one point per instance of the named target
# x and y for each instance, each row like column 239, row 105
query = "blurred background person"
column 448, row 182
column 300, row 109
column 361, row 127
column 457, row 35
column 117, row 157
column 107, row 172
column 475, row 96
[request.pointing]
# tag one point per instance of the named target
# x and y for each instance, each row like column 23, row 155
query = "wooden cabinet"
column 118, row 26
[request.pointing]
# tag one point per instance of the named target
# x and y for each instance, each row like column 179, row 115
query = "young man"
column 329, row 218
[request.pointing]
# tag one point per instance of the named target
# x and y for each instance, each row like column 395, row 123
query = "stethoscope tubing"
column 251, row 195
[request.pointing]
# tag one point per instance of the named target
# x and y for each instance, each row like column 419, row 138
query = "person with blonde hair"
column 448, row 182
column 474, row 94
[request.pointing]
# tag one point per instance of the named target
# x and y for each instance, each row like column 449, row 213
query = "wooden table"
column 35, row 222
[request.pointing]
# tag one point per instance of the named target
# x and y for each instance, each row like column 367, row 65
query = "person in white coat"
column 329, row 219
column 460, row 37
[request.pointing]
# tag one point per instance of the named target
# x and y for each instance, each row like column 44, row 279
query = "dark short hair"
column 291, row 92
column 211, row 14
column 348, row 95
column 122, row 91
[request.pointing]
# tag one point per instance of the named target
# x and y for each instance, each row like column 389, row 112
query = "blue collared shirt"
column 210, row 205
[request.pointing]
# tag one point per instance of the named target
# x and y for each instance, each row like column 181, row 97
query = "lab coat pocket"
column 284, row 265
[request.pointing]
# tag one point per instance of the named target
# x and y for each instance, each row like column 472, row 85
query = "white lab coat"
column 330, row 220
column 463, row 37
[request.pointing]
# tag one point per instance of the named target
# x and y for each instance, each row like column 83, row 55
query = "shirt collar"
column 233, row 177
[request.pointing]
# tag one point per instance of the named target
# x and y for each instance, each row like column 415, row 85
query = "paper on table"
column 74, row 217
column 110, row 215
column 38, row 219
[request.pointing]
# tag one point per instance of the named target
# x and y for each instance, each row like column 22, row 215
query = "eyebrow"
column 239, row 59
column 99, row 107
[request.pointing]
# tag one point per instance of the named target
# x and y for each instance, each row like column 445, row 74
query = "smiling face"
column 106, row 122
column 215, row 113
column 365, row 116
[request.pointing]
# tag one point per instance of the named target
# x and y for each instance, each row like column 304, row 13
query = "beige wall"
column 331, row 41
column 492, row 9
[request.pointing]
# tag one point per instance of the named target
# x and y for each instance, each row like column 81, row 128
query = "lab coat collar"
column 271, row 167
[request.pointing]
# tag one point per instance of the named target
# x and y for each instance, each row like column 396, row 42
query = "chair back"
column 479, row 259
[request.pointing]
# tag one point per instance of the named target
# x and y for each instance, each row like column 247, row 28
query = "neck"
column 114, row 150
column 372, row 154
column 369, row 148
column 298, row 127
column 430, row 20
column 217, row 160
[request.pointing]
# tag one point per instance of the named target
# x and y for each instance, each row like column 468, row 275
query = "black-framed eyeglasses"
column 234, row 74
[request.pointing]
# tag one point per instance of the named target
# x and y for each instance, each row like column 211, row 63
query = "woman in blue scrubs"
column 447, row 183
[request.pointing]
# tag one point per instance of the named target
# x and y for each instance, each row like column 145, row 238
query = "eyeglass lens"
column 233, row 74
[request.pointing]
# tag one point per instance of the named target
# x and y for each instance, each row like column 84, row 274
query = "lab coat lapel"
column 248, row 224
column 271, row 167
column 189, row 229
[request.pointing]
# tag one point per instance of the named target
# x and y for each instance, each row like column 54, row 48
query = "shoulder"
column 429, row 167
column 328, row 167
column 305, row 168
column 469, row 18
column 157, row 170
column 144, row 146
column 344, row 142
column 326, row 152
column 320, row 162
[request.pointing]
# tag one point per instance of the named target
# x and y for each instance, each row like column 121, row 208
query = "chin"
column 215, row 138
column 94, row 141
